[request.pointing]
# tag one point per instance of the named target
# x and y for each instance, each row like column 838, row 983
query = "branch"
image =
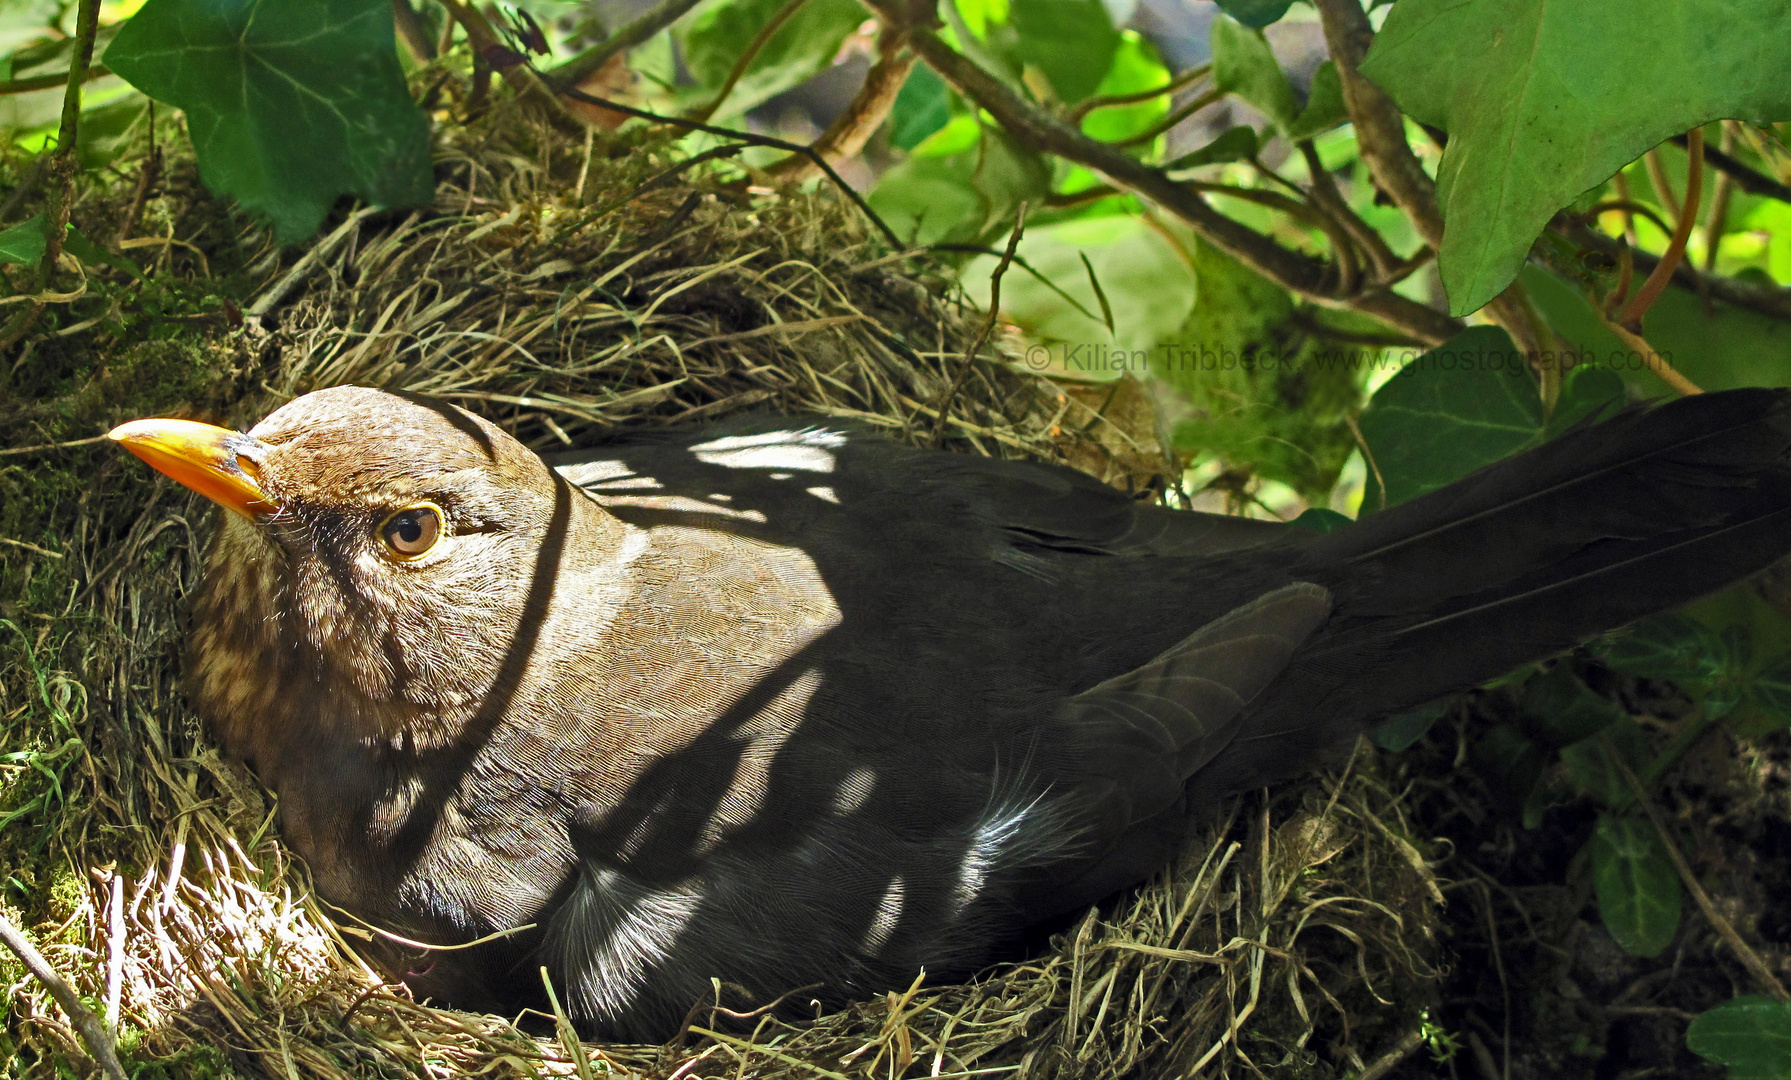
column 1293, row 270
column 1380, row 139
column 988, row 327
column 1770, row 301
column 93, row 1033
column 1746, row 177
column 1380, row 127
column 747, row 55
column 638, row 32
column 1631, row 315
column 848, row 133
column 750, row 139
column 412, row 32
column 63, row 167
column 47, row 82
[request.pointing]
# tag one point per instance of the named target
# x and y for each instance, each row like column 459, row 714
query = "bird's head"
column 377, row 549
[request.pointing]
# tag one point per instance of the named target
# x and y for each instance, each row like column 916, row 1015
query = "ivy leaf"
column 1465, row 404
column 1233, row 144
column 1770, row 691
column 922, row 106
column 1668, row 646
column 1255, row 14
column 1071, row 42
column 1324, row 105
column 1407, row 728
column 1263, row 392
column 1243, row 64
column 805, row 44
column 1750, row 1034
column 1637, row 888
column 23, row 244
column 1537, row 113
column 289, row 104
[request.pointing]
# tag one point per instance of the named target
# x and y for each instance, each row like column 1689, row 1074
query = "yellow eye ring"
column 411, row 533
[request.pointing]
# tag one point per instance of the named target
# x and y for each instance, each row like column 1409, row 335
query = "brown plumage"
column 793, row 706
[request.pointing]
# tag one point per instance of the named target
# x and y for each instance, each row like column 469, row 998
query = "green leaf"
column 1071, row 42
column 1750, row 1034
column 1147, row 282
column 24, row 242
column 1637, row 888
column 1461, row 406
column 1324, row 105
column 1259, row 390
column 105, row 130
column 805, row 44
column 1243, row 64
column 1544, row 100
column 968, row 196
column 1770, row 690
column 1255, row 14
column 1668, row 646
column 1232, row 144
column 1407, row 728
column 1716, row 346
column 89, row 252
column 1319, row 520
column 922, row 106
column 1590, row 771
column 290, row 103
column 1512, row 761
column 1562, row 711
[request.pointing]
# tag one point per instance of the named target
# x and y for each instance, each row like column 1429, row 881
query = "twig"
column 1292, row 270
column 1657, row 176
column 1657, row 363
column 1769, row 300
column 63, row 168
column 30, row 547
column 1387, row 1062
column 750, row 139
column 1629, row 208
column 1113, row 100
column 50, row 82
column 114, row 950
column 146, row 177
column 40, row 448
column 1638, row 305
column 93, row 1033
column 848, row 133
column 747, row 56
column 1187, row 109
column 412, row 31
column 1718, row 220
column 1724, row 929
column 988, row 327
column 1746, row 177
column 1327, row 198
column 587, row 63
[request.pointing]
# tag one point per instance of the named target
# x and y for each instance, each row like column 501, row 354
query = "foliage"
column 1294, row 357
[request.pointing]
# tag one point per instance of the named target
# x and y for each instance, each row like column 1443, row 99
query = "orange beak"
column 203, row 457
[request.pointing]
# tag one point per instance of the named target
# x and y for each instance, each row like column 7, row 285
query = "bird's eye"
column 412, row 531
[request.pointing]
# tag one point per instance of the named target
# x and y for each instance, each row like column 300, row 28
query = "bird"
column 786, row 704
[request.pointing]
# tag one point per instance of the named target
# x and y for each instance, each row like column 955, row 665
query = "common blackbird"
column 792, row 706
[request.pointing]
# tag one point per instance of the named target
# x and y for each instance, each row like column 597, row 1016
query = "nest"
column 568, row 291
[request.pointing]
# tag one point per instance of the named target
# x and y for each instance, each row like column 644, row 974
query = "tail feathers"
column 1605, row 525
column 1650, row 476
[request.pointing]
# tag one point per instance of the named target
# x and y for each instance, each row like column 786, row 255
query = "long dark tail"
column 1606, row 524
